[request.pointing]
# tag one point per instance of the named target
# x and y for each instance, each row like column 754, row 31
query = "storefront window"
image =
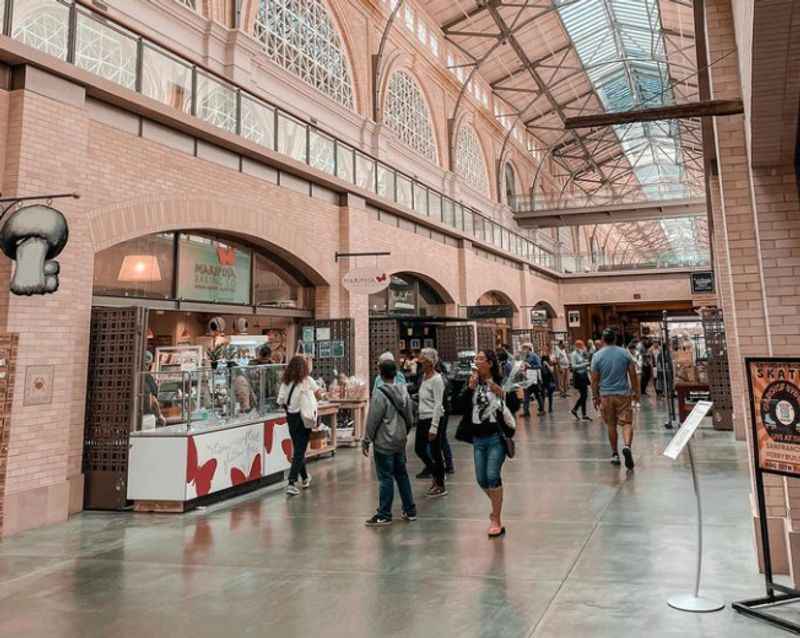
column 141, row 267
column 274, row 287
column 402, row 297
column 407, row 295
column 212, row 270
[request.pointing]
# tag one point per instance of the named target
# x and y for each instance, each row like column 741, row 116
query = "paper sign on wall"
column 688, row 429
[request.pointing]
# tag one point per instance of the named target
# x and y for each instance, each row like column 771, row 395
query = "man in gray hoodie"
column 387, row 428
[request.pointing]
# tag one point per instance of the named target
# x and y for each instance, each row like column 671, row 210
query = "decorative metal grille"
column 454, row 339
column 406, row 113
column 469, row 159
column 341, row 330
column 115, row 356
column 188, row 3
column 384, row 336
column 719, row 380
column 299, row 35
column 105, row 51
column 8, row 353
column 486, row 337
column 42, row 25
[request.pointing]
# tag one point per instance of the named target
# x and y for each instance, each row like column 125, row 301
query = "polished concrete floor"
column 591, row 551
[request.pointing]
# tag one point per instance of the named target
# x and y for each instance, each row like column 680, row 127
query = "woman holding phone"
column 482, row 424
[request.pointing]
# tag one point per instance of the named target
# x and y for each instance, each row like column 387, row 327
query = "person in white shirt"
column 296, row 381
column 562, row 363
column 428, row 443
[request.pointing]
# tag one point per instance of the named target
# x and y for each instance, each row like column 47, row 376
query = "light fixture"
column 139, row 269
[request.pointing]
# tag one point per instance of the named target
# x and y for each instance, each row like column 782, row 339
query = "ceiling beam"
column 707, row 108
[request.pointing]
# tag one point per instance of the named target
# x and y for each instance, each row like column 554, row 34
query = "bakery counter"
column 177, row 467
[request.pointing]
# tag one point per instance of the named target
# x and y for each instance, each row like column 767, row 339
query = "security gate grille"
column 719, row 381
column 116, row 351
column 454, row 339
column 8, row 354
column 486, row 337
column 340, row 330
column 384, row 336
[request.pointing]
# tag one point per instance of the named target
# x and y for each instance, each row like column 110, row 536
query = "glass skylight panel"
column 409, row 16
column 434, row 44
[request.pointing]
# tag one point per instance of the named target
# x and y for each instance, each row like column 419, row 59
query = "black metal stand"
column 668, row 376
column 776, row 594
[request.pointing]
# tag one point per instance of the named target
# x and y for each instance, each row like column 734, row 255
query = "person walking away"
column 633, row 350
column 648, row 363
column 481, row 425
column 447, row 452
column 614, row 386
column 428, row 443
column 580, row 378
column 548, row 387
column 562, row 367
column 535, row 389
column 506, row 365
column 399, row 377
column 297, row 381
column 387, row 428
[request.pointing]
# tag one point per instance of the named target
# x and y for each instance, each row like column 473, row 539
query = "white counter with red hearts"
column 172, row 466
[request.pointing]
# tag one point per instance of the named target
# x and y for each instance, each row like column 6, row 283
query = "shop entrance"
column 494, row 311
column 192, row 301
column 632, row 320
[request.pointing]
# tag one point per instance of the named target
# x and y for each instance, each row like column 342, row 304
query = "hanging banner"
column 212, row 273
column 490, row 312
column 775, row 410
column 366, row 281
column 538, row 317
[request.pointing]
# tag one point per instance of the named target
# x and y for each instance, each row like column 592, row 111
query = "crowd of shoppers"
column 501, row 385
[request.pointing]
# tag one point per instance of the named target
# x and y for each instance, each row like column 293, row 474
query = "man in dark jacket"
column 387, row 429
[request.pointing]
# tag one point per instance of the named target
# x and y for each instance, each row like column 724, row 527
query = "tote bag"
column 308, row 406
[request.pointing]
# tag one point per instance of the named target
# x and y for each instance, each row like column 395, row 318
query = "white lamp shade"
column 139, row 269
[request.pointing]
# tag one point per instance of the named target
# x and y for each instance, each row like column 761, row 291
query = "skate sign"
column 687, row 430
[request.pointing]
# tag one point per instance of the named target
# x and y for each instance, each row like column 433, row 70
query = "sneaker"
column 540, row 413
column 626, row 452
column 378, row 521
column 436, row 491
column 291, row 490
column 615, row 459
column 306, row 483
column 425, row 474
column 409, row 516
column 587, row 418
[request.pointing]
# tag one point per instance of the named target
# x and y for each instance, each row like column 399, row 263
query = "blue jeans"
column 490, row 453
column 391, row 468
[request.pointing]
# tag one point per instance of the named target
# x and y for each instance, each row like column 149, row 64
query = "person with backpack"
column 298, row 395
column 388, row 422
column 399, row 377
column 428, row 442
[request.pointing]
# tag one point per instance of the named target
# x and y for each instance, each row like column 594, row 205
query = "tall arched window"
column 469, row 159
column 299, row 35
column 406, row 113
column 510, row 183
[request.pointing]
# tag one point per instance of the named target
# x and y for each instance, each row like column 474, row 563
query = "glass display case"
column 207, row 396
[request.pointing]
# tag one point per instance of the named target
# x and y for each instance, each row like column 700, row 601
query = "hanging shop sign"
column 366, row 281
column 490, row 312
column 775, row 407
column 538, row 317
column 702, row 282
column 214, row 273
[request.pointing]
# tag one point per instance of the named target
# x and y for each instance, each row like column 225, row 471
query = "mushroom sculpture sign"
column 34, row 236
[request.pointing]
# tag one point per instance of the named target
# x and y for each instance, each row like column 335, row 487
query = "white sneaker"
column 291, row 490
column 306, row 483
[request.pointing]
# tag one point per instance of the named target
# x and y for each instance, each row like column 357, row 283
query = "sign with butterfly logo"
column 366, row 281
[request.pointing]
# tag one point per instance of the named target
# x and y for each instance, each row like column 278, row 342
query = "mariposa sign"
column 366, row 281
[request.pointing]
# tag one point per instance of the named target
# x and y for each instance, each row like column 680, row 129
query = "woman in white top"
column 428, row 443
column 296, row 381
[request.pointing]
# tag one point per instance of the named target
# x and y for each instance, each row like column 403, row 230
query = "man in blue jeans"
column 387, row 428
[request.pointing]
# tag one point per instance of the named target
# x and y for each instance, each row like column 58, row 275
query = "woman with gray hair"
column 428, row 443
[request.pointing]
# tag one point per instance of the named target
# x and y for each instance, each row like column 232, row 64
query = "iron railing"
column 76, row 32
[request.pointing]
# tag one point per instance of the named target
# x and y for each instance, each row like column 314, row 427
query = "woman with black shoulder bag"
column 580, row 378
column 488, row 425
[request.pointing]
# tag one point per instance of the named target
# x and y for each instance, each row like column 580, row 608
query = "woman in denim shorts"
column 482, row 401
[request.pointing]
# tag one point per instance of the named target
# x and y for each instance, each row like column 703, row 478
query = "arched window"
column 299, row 35
column 406, row 113
column 511, row 183
column 469, row 159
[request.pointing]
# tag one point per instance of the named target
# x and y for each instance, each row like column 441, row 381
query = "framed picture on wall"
column 415, row 344
column 428, row 343
column 401, row 344
column 574, row 318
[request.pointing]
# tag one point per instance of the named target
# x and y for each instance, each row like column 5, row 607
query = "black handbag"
column 508, row 442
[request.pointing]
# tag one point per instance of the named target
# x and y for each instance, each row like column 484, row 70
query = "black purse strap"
column 289, row 398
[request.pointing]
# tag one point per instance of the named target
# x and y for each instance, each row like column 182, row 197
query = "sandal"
column 496, row 532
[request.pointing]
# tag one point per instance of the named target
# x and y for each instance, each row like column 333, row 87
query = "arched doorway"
column 208, row 307
column 495, row 323
column 411, row 314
